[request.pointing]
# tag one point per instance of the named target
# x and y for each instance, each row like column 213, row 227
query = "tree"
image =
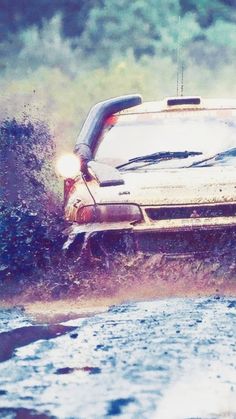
column 142, row 27
column 208, row 11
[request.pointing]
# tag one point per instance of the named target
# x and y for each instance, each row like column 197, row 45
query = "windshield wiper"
column 218, row 156
column 160, row 155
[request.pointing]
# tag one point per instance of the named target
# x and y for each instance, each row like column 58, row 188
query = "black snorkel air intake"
column 94, row 123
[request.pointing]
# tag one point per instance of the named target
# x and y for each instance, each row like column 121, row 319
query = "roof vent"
column 177, row 101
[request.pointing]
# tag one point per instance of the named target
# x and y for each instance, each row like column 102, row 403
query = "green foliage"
column 222, row 33
column 43, row 47
column 16, row 15
column 100, row 31
column 209, row 11
column 142, row 27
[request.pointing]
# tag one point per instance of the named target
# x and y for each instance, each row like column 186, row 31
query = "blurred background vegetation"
column 58, row 57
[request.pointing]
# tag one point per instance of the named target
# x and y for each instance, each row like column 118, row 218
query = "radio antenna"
column 182, row 79
column 180, row 64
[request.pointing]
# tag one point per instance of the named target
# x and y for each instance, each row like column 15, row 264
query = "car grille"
column 196, row 211
column 187, row 242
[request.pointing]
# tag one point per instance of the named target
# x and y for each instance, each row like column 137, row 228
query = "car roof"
column 181, row 104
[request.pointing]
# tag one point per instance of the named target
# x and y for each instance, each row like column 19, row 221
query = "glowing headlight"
column 68, row 166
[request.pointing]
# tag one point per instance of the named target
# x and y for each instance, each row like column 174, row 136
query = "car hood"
column 167, row 187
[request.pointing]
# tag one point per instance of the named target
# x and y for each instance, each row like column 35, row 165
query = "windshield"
column 127, row 137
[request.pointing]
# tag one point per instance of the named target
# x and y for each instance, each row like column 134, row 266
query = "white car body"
column 190, row 201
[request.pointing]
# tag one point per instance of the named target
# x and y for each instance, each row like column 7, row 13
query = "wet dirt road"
column 170, row 358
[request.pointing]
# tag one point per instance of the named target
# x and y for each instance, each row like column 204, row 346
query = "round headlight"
column 68, row 166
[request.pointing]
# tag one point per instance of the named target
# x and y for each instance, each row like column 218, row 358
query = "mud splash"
column 28, row 204
column 33, row 267
column 73, row 292
column 137, row 277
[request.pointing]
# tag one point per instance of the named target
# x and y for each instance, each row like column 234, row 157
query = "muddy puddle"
column 132, row 342
column 136, row 359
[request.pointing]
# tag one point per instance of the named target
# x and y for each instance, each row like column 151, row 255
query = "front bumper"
column 179, row 236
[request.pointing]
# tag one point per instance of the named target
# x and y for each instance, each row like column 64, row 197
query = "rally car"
column 155, row 177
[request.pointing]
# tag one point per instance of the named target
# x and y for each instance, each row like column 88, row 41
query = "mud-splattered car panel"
column 175, row 166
